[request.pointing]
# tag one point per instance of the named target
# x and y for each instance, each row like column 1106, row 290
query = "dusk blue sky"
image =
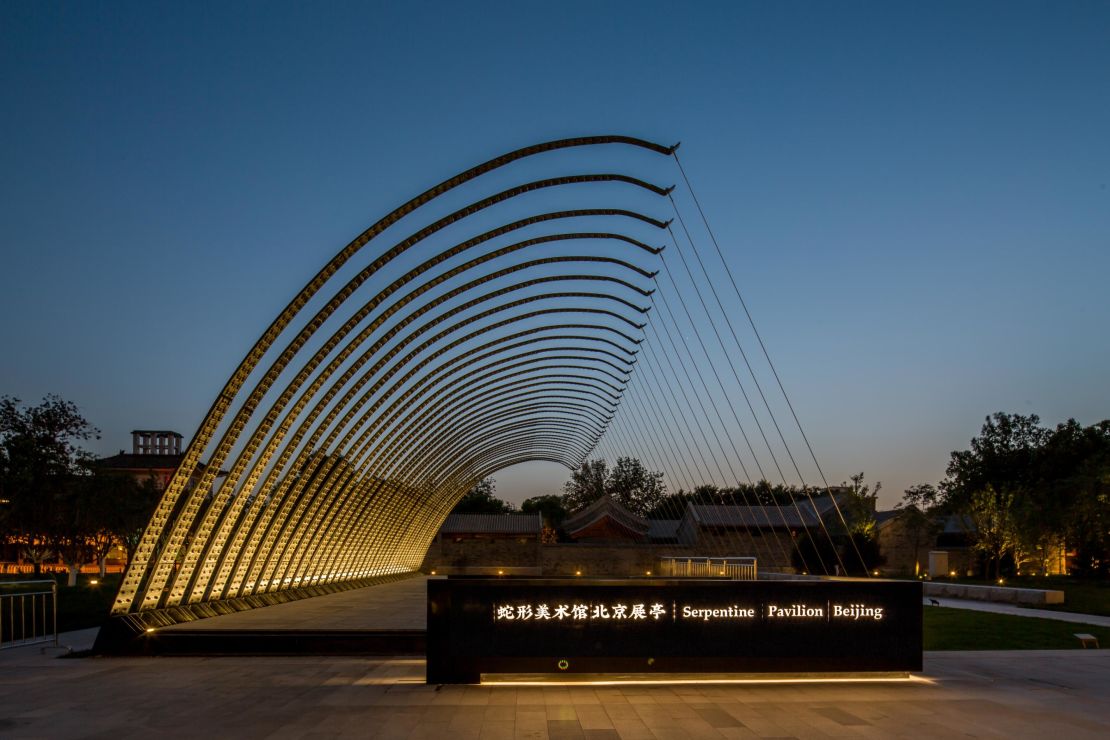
column 913, row 196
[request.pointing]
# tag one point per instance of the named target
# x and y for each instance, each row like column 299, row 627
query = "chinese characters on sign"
column 581, row 612
column 594, row 612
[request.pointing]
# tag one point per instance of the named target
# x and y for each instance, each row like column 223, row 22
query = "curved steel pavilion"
column 358, row 419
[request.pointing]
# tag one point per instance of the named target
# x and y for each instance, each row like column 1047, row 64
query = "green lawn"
column 963, row 629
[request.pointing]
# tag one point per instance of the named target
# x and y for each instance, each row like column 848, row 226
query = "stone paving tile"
column 564, row 729
column 618, row 712
column 601, row 735
column 594, row 718
column 497, row 730
column 561, row 712
column 499, row 713
column 1056, row 694
column 718, row 717
column 841, row 717
column 633, row 731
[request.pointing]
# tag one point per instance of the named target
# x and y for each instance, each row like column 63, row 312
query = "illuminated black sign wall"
column 481, row 625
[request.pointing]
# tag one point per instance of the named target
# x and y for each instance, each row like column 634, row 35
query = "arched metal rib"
column 266, row 525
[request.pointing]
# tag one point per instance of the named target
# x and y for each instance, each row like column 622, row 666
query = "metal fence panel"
column 28, row 613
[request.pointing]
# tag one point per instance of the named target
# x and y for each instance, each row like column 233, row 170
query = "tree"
column 673, row 505
column 760, row 493
column 991, row 513
column 996, row 485
column 814, row 554
column 480, row 500
column 123, row 506
column 41, row 457
column 1033, row 493
column 77, row 519
column 709, row 494
column 586, row 485
column 847, row 538
column 917, row 515
column 764, row 493
column 634, row 486
column 858, row 506
column 1075, row 474
column 549, row 506
column 814, row 551
column 629, row 483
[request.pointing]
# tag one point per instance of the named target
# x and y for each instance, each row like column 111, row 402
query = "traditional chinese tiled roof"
column 882, row 517
column 755, row 517
column 524, row 524
column 946, row 523
column 605, row 507
column 663, row 529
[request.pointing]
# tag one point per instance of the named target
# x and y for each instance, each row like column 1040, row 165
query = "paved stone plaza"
column 1011, row 694
column 400, row 604
column 960, row 694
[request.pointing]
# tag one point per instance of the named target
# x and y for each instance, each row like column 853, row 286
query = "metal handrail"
column 9, row 616
column 736, row 568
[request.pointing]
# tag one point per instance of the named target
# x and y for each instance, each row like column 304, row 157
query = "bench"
column 1087, row 641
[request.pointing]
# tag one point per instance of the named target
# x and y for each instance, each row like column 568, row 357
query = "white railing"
column 736, row 568
column 28, row 613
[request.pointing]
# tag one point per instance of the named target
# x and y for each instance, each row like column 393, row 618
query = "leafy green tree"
column 848, row 538
column 996, row 484
column 856, row 502
column 1005, row 452
column 629, row 483
column 764, row 493
column 813, row 555
column 41, row 459
column 549, row 506
column 1075, row 474
column 127, row 505
column 480, row 500
column 917, row 513
column 991, row 512
column 760, row 493
column 1033, row 492
column 814, row 551
column 77, row 518
column 634, row 486
column 673, row 505
column 586, row 485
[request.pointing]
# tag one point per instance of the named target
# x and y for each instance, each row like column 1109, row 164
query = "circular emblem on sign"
column 563, row 664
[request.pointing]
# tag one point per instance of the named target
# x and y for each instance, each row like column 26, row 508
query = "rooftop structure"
column 606, row 520
column 145, row 442
column 155, row 455
column 492, row 526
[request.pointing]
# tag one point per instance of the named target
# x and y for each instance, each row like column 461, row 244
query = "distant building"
column 522, row 527
column 663, row 531
column 605, row 520
column 906, row 551
column 606, row 538
column 487, row 544
column 766, row 532
column 155, row 455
